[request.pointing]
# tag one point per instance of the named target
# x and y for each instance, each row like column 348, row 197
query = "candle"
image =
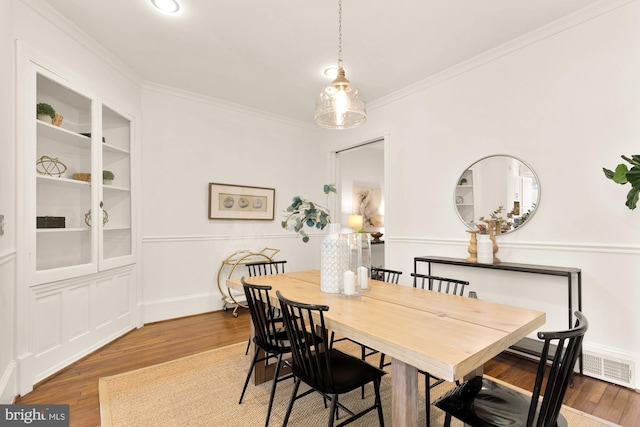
column 363, row 277
column 349, row 283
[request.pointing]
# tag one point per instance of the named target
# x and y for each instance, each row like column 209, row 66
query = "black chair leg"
column 427, row 395
column 334, row 409
column 246, row 382
column 376, row 387
column 248, row 346
column 363, row 356
column 273, row 388
column 293, row 399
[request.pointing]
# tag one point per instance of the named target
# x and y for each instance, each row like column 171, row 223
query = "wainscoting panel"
column 73, row 318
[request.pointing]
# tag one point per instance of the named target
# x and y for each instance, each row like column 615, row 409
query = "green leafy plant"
column 108, row 175
column 303, row 212
column 623, row 175
column 45, row 109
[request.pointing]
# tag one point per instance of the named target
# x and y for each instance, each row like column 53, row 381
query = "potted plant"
column 623, row 175
column 45, row 112
column 107, row 177
column 305, row 212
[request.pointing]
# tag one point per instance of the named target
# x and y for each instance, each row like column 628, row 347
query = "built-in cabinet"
column 77, row 257
column 464, row 197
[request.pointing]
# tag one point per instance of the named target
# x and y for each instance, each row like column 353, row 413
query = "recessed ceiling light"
column 168, row 6
column 331, row 71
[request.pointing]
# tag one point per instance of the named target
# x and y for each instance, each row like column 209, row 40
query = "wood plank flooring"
column 77, row 385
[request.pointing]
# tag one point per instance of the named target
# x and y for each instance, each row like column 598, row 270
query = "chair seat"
column 482, row 402
column 348, row 373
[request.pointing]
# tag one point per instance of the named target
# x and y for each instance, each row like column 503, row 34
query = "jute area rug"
column 203, row 390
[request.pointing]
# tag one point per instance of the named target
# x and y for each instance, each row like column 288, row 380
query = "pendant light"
column 340, row 105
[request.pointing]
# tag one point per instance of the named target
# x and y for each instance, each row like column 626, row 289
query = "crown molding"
column 73, row 31
column 558, row 26
column 226, row 105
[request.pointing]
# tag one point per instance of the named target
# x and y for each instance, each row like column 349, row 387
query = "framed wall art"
column 240, row 202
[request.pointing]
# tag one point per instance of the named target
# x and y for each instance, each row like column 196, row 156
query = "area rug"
column 203, row 390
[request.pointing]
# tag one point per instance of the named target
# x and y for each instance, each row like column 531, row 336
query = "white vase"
column 485, row 249
column 334, row 260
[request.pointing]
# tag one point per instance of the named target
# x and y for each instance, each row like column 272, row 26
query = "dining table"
column 448, row 336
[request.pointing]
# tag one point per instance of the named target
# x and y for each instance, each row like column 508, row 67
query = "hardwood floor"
column 77, row 385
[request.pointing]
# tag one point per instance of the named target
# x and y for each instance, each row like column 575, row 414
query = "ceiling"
column 269, row 55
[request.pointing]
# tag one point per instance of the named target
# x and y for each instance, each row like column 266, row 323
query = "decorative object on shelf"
column 485, row 249
column 340, row 105
column 82, row 176
column 334, row 260
column 45, row 112
column 473, row 246
column 107, row 177
column 240, row 202
column 303, row 212
column 57, row 120
column 463, row 181
column 105, row 217
column 623, row 175
column 376, row 237
column 360, row 258
column 501, row 224
column 459, row 200
column 488, row 229
column 50, row 222
column 50, row 166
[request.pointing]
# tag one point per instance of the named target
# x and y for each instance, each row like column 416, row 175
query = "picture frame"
column 228, row 201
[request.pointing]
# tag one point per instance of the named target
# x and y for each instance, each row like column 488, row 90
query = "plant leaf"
column 620, row 175
column 634, row 160
column 608, row 173
column 632, row 198
column 633, row 176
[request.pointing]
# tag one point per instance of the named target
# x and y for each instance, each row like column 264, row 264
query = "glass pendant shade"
column 340, row 105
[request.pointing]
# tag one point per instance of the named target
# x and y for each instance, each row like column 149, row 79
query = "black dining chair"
column 265, row 268
column 447, row 286
column 483, row 402
column 325, row 369
column 385, row 275
column 269, row 335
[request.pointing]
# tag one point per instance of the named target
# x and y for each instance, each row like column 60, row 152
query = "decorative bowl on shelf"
column 82, row 176
column 376, row 237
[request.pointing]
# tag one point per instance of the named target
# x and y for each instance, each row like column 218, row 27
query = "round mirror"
column 499, row 185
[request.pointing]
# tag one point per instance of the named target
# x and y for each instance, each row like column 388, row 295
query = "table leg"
column 404, row 397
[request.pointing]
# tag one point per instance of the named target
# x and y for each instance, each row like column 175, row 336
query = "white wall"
column 568, row 104
column 7, row 207
column 190, row 142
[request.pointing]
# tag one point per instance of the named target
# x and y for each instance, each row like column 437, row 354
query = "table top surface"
column 445, row 335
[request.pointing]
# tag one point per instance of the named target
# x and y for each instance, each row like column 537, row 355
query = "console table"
column 525, row 346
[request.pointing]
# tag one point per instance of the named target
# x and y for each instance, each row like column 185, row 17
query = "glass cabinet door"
column 63, row 193
column 116, row 189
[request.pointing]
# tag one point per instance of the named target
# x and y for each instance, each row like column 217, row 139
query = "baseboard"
column 8, row 383
column 171, row 308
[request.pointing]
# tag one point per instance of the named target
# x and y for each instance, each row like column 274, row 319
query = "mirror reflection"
column 501, row 185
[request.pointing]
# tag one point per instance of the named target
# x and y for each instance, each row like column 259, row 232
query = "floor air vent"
column 610, row 369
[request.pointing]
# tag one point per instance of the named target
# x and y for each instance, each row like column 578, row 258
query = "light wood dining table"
column 449, row 336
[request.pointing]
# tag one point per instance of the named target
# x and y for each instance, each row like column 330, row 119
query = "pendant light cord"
column 339, row 33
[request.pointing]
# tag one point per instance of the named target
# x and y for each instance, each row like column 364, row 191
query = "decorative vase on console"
column 334, row 260
column 485, row 249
